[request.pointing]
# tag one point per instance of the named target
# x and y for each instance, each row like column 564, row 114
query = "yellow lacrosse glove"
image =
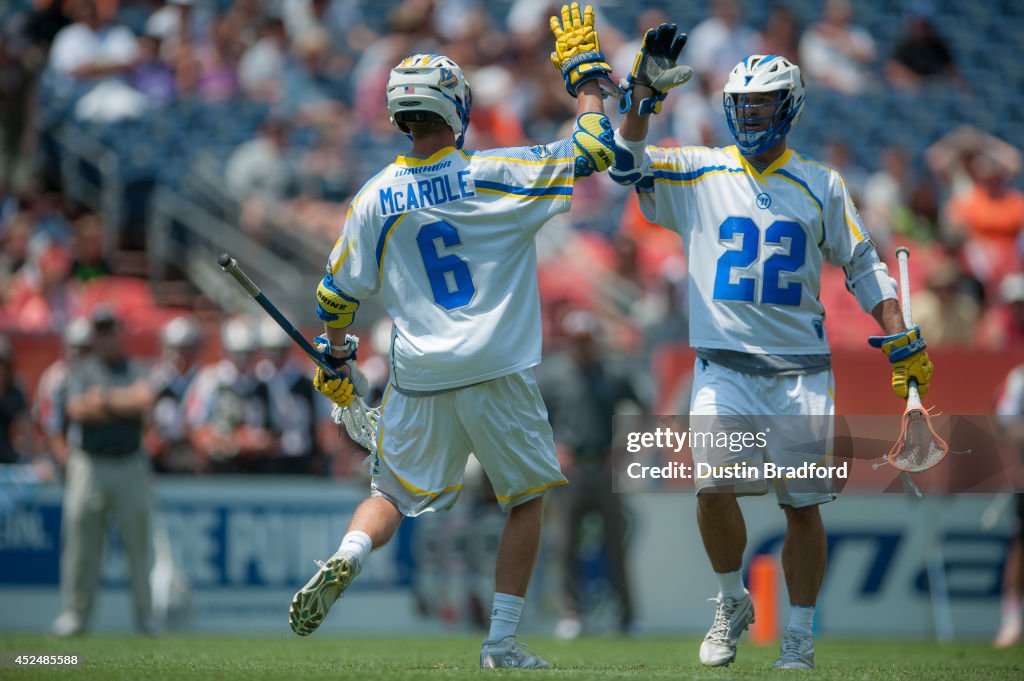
column 578, row 52
column 906, row 351
column 338, row 390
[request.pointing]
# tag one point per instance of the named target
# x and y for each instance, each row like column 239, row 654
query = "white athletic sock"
column 730, row 585
column 1012, row 610
column 356, row 544
column 801, row 618
column 505, row 616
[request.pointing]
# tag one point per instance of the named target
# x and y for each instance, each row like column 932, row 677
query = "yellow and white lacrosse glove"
column 906, row 351
column 351, row 382
column 578, row 52
column 655, row 67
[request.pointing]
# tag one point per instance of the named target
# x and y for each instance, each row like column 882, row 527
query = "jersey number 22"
column 743, row 254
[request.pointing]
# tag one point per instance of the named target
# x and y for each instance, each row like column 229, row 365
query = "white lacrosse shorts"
column 424, row 442
column 793, row 415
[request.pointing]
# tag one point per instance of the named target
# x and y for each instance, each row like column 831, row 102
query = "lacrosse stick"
column 919, row 447
column 359, row 420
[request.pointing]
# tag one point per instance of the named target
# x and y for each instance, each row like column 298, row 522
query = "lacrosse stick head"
column 919, row 447
column 360, row 423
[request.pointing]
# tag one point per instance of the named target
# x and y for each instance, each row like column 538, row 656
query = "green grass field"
column 321, row 658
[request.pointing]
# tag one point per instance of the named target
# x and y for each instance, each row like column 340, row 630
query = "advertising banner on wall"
column 229, row 554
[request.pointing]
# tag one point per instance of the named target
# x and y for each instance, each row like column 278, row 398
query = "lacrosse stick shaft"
column 231, row 266
column 903, row 257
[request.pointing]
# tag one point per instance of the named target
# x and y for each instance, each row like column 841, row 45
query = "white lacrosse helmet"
column 759, row 74
column 426, row 84
column 181, row 332
column 238, row 336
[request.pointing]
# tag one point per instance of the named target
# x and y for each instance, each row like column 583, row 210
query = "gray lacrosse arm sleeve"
column 868, row 278
column 631, row 161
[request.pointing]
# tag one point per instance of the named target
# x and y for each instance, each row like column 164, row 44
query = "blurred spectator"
column 837, row 155
column 781, row 34
column 990, row 215
column 990, row 210
column 15, row 425
column 697, row 118
column 108, row 475
column 261, row 70
column 50, row 409
column 41, row 297
column 1003, row 325
column 719, row 42
column 667, row 321
column 170, row 26
column 310, row 95
column 921, row 54
column 152, row 76
column 582, row 396
column 951, row 156
column 333, row 16
column 211, row 70
column 14, row 240
column 946, row 313
column 835, row 53
column 887, row 192
column 295, row 408
column 495, row 123
column 89, row 262
column 258, row 168
column 226, row 407
column 168, row 437
column 93, row 47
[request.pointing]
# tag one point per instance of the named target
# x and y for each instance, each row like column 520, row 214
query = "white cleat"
column 68, row 624
column 568, row 629
column 310, row 605
column 1009, row 634
column 509, row 652
column 732, row 617
column 797, row 651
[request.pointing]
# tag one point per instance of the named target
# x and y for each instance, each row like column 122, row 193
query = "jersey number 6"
column 449, row 276
column 744, row 253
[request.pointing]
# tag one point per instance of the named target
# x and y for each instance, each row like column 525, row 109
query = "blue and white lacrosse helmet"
column 426, row 84
column 755, row 132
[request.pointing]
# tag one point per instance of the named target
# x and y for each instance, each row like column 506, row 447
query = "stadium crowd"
column 303, row 81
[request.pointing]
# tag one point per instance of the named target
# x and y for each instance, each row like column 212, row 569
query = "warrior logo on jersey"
column 819, row 327
column 541, row 151
column 763, row 200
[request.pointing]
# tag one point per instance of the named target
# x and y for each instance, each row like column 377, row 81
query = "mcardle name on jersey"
column 425, row 193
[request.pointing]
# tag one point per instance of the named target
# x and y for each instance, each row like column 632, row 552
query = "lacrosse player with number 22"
column 758, row 221
column 447, row 236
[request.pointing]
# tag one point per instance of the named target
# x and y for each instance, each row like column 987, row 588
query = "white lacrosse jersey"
column 755, row 241
column 450, row 242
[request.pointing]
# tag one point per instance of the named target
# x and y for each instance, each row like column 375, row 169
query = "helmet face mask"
column 763, row 100
column 425, row 86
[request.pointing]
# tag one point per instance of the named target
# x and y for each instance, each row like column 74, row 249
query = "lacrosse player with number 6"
column 446, row 235
column 758, row 221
